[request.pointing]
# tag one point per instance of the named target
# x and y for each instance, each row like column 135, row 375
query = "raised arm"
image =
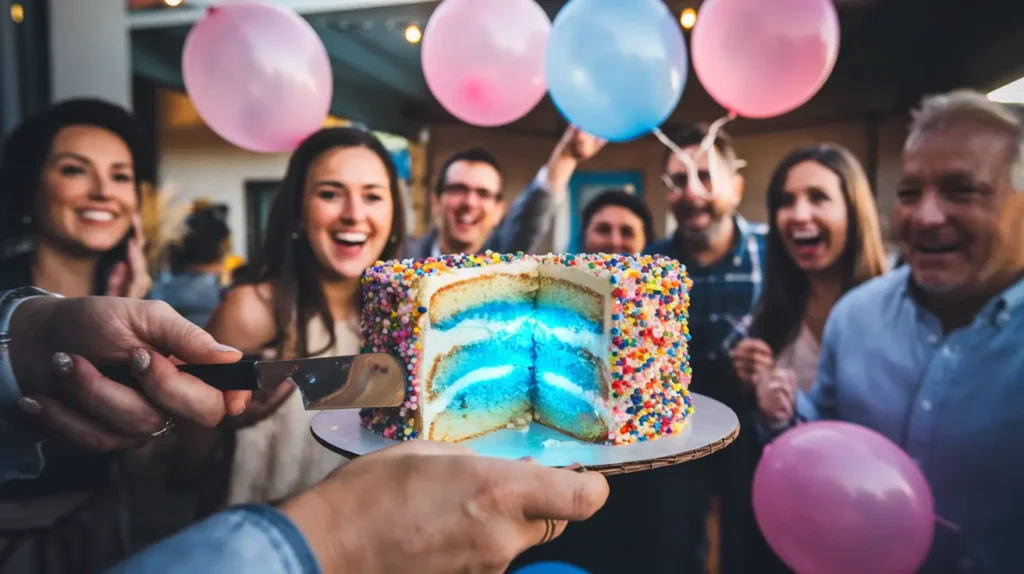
column 531, row 217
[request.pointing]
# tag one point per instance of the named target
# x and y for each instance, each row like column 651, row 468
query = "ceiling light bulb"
column 688, row 18
column 413, row 34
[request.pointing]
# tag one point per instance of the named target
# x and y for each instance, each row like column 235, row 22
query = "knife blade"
column 343, row 382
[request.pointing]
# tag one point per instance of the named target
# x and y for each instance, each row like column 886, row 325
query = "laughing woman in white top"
column 337, row 211
column 823, row 239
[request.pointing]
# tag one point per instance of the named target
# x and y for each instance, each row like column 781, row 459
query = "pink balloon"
column 484, row 59
column 762, row 58
column 258, row 75
column 841, row 498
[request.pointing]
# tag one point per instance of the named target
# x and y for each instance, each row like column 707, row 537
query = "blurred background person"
column 193, row 284
column 616, row 221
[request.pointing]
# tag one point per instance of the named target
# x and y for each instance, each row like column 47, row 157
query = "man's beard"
column 701, row 239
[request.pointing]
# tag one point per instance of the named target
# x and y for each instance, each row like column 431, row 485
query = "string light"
column 17, row 13
column 413, row 34
column 688, row 18
column 173, row 3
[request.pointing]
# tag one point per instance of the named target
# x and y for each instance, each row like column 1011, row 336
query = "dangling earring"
column 393, row 239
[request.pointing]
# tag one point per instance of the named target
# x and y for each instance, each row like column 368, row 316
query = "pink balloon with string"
column 761, row 58
column 484, row 59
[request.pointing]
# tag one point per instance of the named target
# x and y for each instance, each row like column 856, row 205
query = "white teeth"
column 96, row 215
column 465, row 220
column 805, row 234
column 351, row 237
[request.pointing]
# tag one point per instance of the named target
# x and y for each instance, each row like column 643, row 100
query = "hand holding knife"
column 343, row 382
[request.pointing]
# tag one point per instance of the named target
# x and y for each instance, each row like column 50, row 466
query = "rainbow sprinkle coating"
column 648, row 360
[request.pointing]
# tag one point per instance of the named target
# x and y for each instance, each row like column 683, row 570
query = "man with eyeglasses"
column 724, row 256
column 469, row 207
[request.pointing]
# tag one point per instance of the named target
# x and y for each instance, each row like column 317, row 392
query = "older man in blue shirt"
column 932, row 354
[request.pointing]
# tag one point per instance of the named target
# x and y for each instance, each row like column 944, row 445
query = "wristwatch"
column 9, row 301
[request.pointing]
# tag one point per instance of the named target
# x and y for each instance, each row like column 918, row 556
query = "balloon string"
column 946, row 523
column 707, row 145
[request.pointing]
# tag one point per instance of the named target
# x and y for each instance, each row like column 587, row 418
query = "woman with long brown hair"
column 824, row 239
column 337, row 212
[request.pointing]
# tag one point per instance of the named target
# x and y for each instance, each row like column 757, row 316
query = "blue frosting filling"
column 515, row 351
column 507, row 392
column 553, row 356
column 530, row 353
column 504, row 312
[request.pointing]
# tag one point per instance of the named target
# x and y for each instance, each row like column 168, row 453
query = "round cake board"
column 710, row 428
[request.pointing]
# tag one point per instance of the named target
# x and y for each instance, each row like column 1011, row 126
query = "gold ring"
column 549, row 531
column 167, row 428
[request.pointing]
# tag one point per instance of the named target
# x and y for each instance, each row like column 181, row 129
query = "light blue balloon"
column 551, row 568
column 616, row 68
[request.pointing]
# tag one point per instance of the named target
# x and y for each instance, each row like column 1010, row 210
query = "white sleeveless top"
column 801, row 356
column 278, row 457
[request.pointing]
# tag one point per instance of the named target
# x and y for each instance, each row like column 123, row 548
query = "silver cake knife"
column 344, row 382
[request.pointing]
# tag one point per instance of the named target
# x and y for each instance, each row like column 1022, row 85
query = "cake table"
column 710, row 428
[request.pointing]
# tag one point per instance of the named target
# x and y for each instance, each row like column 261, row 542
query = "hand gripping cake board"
column 593, row 346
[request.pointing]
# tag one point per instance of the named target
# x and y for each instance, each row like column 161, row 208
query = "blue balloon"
column 551, row 568
column 616, row 68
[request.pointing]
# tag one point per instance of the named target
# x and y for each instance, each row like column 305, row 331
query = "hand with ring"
column 56, row 343
column 458, row 512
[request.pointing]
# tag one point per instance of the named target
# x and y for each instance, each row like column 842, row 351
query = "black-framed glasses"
column 462, row 190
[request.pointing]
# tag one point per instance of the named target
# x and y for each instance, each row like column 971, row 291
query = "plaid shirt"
column 722, row 298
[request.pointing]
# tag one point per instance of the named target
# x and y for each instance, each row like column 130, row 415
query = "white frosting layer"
column 435, row 407
column 596, row 402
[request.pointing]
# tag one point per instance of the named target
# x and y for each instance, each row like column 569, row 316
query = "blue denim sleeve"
column 21, row 455
column 250, row 539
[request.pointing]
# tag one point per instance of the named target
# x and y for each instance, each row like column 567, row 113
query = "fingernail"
column 578, row 467
column 527, row 459
column 240, row 409
column 225, row 349
column 140, row 361
column 30, row 405
column 63, row 363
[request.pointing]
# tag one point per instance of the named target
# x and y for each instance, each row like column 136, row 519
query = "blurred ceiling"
column 893, row 52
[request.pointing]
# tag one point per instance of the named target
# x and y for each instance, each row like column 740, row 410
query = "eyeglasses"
column 679, row 181
column 462, row 190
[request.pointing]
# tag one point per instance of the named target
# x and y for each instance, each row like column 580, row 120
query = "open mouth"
column 935, row 248
column 350, row 239
column 96, row 215
column 465, row 219
column 807, row 239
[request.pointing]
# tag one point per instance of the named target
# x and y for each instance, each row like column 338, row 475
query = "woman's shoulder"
column 245, row 317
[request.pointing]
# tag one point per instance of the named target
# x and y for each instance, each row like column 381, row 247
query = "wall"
column 197, row 163
column 90, row 54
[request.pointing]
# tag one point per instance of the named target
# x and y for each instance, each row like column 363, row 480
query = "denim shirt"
column 954, row 402
column 251, row 539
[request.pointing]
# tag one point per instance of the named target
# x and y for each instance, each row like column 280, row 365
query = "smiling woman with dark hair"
column 69, row 193
column 338, row 211
column 824, row 239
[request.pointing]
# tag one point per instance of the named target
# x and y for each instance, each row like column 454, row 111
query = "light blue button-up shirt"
column 954, row 402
